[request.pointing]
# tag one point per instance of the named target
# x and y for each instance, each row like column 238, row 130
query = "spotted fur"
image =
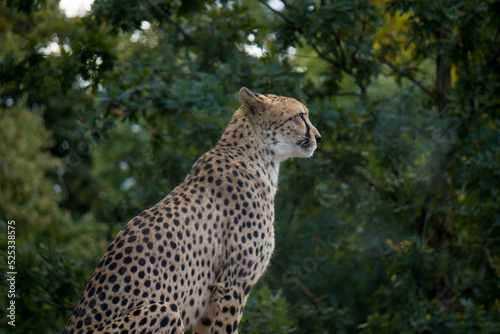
column 192, row 259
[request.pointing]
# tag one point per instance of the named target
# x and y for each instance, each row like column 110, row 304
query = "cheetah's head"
column 283, row 122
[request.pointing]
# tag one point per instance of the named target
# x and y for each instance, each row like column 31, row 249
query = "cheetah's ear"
column 253, row 103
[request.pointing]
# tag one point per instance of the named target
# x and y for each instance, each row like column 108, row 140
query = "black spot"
column 164, row 322
column 206, row 322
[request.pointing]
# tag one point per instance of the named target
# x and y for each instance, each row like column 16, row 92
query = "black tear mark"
column 307, row 126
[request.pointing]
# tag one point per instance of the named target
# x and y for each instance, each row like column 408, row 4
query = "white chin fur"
column 297, row 152
column 308, row 152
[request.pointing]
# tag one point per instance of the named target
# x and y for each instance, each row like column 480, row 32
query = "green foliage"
column 55, row 253
column 393, row 226
column 24, row 140
column 48, row 281
column 266, row 312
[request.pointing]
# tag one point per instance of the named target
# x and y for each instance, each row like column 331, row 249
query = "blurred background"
column 392, row 227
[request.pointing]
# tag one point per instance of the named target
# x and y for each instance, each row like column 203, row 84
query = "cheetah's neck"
column 242, row 140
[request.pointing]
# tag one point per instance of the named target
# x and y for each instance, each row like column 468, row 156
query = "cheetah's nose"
column 318, row 139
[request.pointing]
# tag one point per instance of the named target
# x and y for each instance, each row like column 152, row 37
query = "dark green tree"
column 54, row 252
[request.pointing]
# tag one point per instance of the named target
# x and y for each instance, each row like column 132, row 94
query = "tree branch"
column 490, row 261
column 339, row 44
column 436, row 181
column 323, row 56
column 347, row 181
column 57, row 304
column 292, row 213
column 169, row 19
column 283, row 16
column 402, row 73
column 363, row 29
column 348, row 94
column 304, row 289
column 363, row 174
column 330, row 60
column 299, row 29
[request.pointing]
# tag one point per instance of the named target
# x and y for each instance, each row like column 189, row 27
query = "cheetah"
column 192, row 259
